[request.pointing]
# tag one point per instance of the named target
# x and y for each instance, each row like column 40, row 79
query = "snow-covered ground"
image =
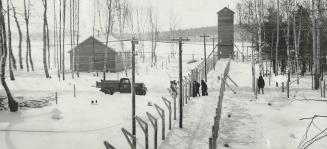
column 272, row 121
column 253, row 123
column 85, row 125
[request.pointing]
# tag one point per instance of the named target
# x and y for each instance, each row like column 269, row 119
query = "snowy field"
column 269, row 122
column 85, row 125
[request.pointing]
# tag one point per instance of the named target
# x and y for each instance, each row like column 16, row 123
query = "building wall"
column 85, row 57
column 226, row 34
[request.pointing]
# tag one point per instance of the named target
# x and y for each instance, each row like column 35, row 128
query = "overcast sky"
column 190, row 13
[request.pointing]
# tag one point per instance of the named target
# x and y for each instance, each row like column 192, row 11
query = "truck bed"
column 106, row 83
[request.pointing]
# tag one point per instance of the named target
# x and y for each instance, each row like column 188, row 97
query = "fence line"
column 215, row 128
column 196, row 74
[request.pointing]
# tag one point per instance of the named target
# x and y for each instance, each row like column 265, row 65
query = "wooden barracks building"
column 90, row 55
column 225, row 33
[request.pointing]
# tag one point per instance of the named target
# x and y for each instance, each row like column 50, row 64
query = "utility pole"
column 213, row 53
column 180, row 43
column 134, row 41
column 205, row 56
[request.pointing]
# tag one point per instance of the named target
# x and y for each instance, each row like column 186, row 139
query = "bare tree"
column 20, row 36
column 63, row 40
column 45, row 36
column 141, row 22
column 108, row 31
column 153, row 25
column 28, row 39
column 77, row 37
column 55, row 40
column 277, row 40
column 122, row 14
column 13, row 105
column 172, row 32
column 60, row 40
column 12, row 61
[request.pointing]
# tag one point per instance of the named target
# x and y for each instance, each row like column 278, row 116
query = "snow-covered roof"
column 226, row 10
column 113, row 43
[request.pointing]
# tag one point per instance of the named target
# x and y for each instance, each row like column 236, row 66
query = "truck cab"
column 123, row 86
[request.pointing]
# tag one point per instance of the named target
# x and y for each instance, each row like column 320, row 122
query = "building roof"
column 225, row 10
column 113, row 43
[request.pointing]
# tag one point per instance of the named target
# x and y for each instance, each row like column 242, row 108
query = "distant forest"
column 194, row 33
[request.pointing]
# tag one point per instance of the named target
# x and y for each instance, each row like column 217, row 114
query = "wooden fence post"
column 288, row 89
column 131, row 139
column 256, row 88
column 154, row 123
column 168, row 104
column 161, row 113
column 56, row 97
column 311, row 81
column 324, row 88
column 145, row 129
column 74, row 90
column 108, row 145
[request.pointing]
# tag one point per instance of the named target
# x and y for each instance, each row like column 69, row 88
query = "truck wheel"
column 110, row 92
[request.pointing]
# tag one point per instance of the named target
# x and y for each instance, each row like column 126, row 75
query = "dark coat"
column 204, row 86
column 261, row 82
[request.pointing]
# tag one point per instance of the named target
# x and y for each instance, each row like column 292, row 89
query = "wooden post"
column 180, row 43
column 154, row 123
column 161, row 113
column 256, row 89
column 168, row 104
column 108, row 145
column 205, row 56
column 297, row 79
column 324, row 88
column 175, row 108
column 311, row 81
column 134, row 41
column 56, row 97
column 288, row 89
column 213, row 53
column 321, row 88
column 74, row 90
column 282, row 86
column 131, row 139
column 145, row 129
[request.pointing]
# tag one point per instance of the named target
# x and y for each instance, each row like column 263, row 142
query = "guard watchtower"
column 225, row 33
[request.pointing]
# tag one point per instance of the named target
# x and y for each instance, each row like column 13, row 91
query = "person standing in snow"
column 204, row 88
column 197, row 88
column 194, row 88
column 261, row 84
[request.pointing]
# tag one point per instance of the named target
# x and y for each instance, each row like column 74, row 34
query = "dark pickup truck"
column 123, row 86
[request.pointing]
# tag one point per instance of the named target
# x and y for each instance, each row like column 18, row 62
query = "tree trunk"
column 20, row 37
column 288, row 65
column 48, row 44
column 45, row 40
column 298, row 39
column 12, row 61
column 63, row 41
column 314, row 47
column 107, row 37
column 26, row 12
column 77, row 38
column 277, row 40
column 55, row 49
column 13, row 105
column 60, row 40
